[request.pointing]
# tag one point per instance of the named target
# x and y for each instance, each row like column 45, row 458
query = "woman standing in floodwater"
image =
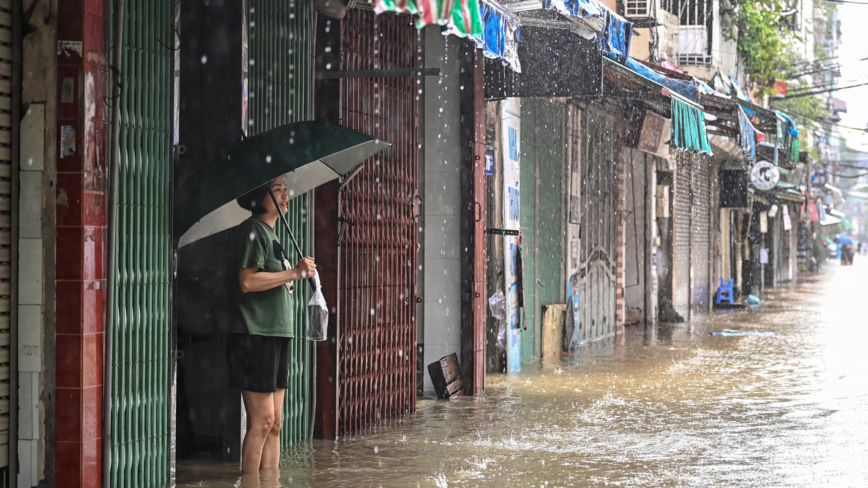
column 262, row 323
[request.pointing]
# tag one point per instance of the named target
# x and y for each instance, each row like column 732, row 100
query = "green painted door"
column 143, row 271
column 550, row 188
column 280, row 81
column 529, row 109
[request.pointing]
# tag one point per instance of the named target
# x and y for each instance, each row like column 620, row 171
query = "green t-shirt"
column 269, row 312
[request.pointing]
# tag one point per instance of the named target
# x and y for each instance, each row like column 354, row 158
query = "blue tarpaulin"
column 577, row 8
column 681, row 87
column 617, row 33
column 616, row 37
column 747, row 135
column 500, row 36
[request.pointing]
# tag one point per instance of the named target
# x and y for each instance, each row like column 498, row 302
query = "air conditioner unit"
column 638, row 9
column 649, row 132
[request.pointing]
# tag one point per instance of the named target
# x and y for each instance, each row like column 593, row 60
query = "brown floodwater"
column 668, row 407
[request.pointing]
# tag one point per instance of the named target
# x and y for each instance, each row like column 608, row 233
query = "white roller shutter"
column 701, row 233
column 681, row 230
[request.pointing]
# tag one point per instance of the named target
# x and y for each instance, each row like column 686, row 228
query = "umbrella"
column 845, row 240
column 307, row 154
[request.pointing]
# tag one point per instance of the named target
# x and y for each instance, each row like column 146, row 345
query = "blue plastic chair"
column 724, row 293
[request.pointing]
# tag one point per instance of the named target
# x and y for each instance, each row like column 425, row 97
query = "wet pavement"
column 672, row 407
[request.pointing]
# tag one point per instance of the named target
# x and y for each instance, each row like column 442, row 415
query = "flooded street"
column 675, row 407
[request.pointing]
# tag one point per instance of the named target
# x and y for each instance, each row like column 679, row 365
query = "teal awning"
column 688, row 127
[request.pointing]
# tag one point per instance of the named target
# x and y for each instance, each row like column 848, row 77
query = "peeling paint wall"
column 36, row 257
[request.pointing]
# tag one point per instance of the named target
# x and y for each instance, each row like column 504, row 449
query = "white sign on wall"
column 510, row 142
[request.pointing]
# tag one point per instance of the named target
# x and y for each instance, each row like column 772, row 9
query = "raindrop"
column 204, row 59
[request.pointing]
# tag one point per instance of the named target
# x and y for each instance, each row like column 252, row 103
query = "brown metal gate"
column 376, row 339
column 479, row 295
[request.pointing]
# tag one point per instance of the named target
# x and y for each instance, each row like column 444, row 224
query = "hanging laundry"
column 459, row 17
column 616, row 37
column 688, row 128
column 500, row 36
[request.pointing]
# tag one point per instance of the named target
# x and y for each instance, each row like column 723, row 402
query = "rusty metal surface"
column 376, row 340
column 480, row 295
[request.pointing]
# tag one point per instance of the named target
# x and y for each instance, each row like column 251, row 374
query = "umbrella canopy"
column 307, row 154
column 845, row 240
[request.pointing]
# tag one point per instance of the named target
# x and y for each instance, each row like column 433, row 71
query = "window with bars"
column 638, row 8
column 689, row 12
column 694, row 22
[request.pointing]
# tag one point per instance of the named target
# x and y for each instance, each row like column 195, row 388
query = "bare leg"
column 260, row 415
column 271, row 452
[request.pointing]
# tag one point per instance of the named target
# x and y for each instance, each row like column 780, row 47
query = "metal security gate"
column 280, row 81
column 701, row 234
column 601, row 145
column 682, row 233
column 376, row 342
column 143, row 272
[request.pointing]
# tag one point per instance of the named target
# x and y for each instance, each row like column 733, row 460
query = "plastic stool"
column 724, row 293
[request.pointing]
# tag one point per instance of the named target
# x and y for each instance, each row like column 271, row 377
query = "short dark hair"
column 254, row 200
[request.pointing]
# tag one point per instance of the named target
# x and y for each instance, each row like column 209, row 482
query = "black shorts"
column 258, row 363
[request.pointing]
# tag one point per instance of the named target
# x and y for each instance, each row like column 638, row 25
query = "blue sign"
column 513, row 144
column 818, row 179
column 489, row 163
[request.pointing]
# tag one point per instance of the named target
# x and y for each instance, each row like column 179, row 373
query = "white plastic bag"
column 497, row 305
column 317, row 315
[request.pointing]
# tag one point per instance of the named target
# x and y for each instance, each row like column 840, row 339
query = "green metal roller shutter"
column 542, row 160
column 550, row 236
column 527, row 206
column 142, row 312
column 280, row 76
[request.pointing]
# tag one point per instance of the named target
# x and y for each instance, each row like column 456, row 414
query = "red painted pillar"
column 82, row 118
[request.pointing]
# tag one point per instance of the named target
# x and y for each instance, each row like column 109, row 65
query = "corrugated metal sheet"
column 280, row 83
column 376, row 347
column 701, row 233
column 601, row 144
column 681, row 230
column 143, row 273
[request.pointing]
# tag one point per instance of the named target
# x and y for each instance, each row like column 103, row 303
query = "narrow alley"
column 672, row 407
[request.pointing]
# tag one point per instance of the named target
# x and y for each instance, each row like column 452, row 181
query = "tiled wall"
column 82, row 79
column 30, row 296
column 441, row 180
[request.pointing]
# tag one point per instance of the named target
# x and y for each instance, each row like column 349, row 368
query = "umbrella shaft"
column 286, row 225
column 312, row 281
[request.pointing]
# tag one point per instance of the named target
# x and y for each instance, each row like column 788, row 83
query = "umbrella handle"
column 314, row 282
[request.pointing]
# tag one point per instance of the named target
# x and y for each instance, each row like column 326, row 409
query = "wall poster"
column 510, row 137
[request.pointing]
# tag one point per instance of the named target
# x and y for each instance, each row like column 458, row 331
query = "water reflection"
column 667, row 407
